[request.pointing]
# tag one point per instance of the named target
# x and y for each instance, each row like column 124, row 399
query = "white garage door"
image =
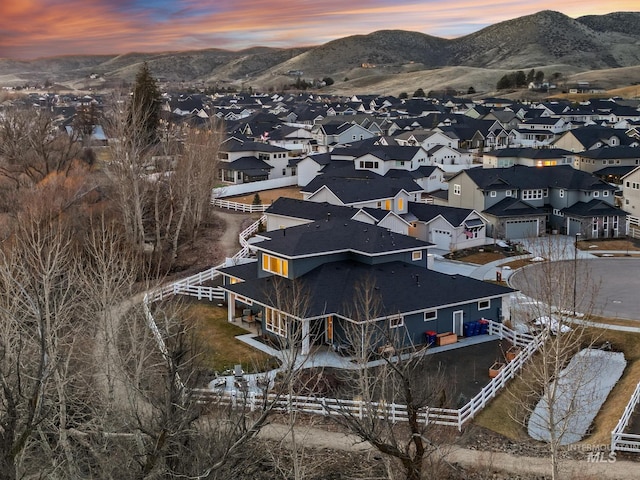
column 521, row 229
column 442, row 239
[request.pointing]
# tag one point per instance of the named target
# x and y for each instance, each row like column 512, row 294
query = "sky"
column 41, row 28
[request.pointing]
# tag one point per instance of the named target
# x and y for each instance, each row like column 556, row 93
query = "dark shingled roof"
column 289, row 207
column 536, row 153
column 425, row 213
column 403, row 288
column 247, row 163
column 523, row 177
column 512, row 207
column 352, row 186
column 337, row 236
column 606, row 153
column 593, row 208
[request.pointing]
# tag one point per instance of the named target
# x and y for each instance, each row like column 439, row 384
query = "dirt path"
column 235, row 222
column 474, row 459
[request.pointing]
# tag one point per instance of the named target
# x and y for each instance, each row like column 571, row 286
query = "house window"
column 558, row 213
column 275, row 322
column 387, row 204
column 456, row 189
column 400, row 204
column 493, row 194
column 508, row 193
column 561, row 193
column 430, row 315
column 596, row 194
column 484, row 304
column 535, row 194
column 416, row 256
column 605, row 193
column 275, row 265
column 396, row 322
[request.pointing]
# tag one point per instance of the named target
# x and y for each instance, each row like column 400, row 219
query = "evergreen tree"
column 539, row 76
column 144, row 109
column 531, row 75
column 419, row 93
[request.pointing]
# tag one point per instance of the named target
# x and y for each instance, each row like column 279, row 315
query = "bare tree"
column 562, row 292
column 397, row 378
column 37, row 348
column 32, row 146
column 162, row 190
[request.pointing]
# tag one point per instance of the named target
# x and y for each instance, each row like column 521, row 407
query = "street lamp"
column 575, row 271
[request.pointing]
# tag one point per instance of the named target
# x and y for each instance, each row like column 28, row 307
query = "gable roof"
column 513, row 207
column 353, row 186
column 333, row 236
column 593, row 208
column 294, row 208
column 524, row 177
column 425, row 212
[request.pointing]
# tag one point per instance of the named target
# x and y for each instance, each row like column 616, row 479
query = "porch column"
column 305, row 337
column 231, row 306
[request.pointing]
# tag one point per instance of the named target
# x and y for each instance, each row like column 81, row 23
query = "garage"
column 521, row 228
column 441, row 238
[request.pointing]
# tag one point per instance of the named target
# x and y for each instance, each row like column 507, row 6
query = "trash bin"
column 466, row 329
column 484, row 326
column 431, row 337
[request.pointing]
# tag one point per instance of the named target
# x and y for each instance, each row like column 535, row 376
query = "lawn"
column 269, row 196
column 221, row 350
column 499, row 414
column 621, row 244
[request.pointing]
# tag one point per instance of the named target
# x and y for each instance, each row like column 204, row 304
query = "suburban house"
column 361, row 188
column 448, row 228
column 631, row 192
column 288, row 212
column 338, row 133
column 308, row 284
column 522, row 201
column 592, row 137
column 530, row 157
column 603, row 157
column 242, row 162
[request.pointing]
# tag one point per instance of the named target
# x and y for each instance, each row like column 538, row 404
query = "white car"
column 553, row 324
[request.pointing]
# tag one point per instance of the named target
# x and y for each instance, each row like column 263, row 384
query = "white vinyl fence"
column 626, row 442
column 393, row 411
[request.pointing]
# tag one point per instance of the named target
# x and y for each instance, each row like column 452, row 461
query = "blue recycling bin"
column 467, row 329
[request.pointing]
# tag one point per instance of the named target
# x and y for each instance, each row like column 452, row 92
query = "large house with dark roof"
column 307, row 284
column 522, row 202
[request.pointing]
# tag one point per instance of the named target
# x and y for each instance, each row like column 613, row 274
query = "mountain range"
column 381, row 61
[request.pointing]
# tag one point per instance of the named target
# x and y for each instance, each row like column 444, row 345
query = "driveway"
column 616, row 282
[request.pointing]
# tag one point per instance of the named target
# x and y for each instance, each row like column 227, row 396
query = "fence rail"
column 626, row 442
column 393, row 411
column 239, row 207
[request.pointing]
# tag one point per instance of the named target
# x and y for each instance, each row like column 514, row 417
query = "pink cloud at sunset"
column 40, row 28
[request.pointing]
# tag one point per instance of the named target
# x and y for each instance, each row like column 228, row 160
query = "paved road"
column 616, row 281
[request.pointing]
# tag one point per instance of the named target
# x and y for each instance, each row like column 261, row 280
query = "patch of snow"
column 582, row 388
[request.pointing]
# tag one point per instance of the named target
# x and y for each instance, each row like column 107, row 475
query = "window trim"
column 416, row 256
column 281, row 265
column 435, row 315
column 396, row 321
column 457, row 189
column 480, row 302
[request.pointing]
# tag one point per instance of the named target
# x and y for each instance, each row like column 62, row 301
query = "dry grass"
column 500, row 414
column 221, row 350
column 482, row 258
column 621, row 244
column 269, row 196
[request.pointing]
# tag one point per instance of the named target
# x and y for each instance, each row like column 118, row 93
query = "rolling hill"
column 383, row 60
